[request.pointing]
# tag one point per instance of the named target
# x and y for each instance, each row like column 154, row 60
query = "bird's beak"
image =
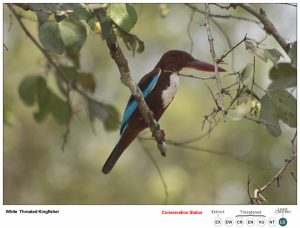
column 203, row 66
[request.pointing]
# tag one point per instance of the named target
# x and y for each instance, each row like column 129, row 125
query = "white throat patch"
column 169, row 93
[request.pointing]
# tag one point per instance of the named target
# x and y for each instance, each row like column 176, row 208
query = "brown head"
column 176, row 60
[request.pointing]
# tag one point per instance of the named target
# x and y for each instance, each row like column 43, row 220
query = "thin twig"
column 5, row 47
column 189, row 31
column 222, row 30
column 224, row 55
column 222, row 16
column 213, row 54
column 156, row 166
column 258, row 191
column 248, row 190
column 67, row 132
column 278, row 174
column 268, row 25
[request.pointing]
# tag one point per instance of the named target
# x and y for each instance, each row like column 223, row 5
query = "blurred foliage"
column 36, row 171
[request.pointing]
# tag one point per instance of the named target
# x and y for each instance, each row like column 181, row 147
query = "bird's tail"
column 125, row 140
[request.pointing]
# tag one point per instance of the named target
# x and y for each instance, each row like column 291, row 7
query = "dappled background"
column 214, row 171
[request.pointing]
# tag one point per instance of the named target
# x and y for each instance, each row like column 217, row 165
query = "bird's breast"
column 169, row 93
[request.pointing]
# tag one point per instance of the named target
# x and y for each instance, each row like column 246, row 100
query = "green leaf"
column 50, row 37
column 69, row 71
column 73, row 34
column 268, row 115
column 286, row 106
column 132, row 42
column 33, row 90
column 293, row 54
column 284, row 76
column 124, row 15
column 28, row 89
column 60, row 109
column 106, row 26
column 81, row 13
column 111, row 123
column 105, row 112
column 275, row 105
column 247, row 71
column 274, row 55
column 87, row 81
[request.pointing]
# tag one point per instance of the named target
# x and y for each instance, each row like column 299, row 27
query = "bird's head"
column 176, row 60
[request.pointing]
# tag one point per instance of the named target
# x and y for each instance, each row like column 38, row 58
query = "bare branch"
column 189, row 31
column 229, row 16
column 224, row 55
column 213, row 54
column 268, row 25
column 258, row 191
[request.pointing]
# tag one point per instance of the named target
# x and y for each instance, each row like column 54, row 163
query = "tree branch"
column 268, row 25
column 258, row 191
column 213, row 54
column 126, row 78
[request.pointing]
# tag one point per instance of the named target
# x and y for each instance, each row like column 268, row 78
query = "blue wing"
column 146, row 85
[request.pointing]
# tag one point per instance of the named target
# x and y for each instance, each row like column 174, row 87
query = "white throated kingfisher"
column 159, row 88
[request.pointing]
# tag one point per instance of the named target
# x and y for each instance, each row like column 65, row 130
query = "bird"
column 159, row 88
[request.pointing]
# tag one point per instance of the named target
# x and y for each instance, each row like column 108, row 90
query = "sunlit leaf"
column 248, row 105
column 73, row 34
column 274, row 55
column 284, row 76
column 95, row 25
column 50, row 37
column 124, row 15
column 164, row 10
column 252, row 47
column 247, row 71
column 269, row 116
column 240, row 111
column 293, row 54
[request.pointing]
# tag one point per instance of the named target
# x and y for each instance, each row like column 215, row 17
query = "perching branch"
column 268, row 25
column 126, row 78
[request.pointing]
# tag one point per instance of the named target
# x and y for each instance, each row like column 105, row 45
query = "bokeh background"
column 37, row 171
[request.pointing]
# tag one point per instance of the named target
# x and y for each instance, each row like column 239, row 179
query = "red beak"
column 203, row 66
